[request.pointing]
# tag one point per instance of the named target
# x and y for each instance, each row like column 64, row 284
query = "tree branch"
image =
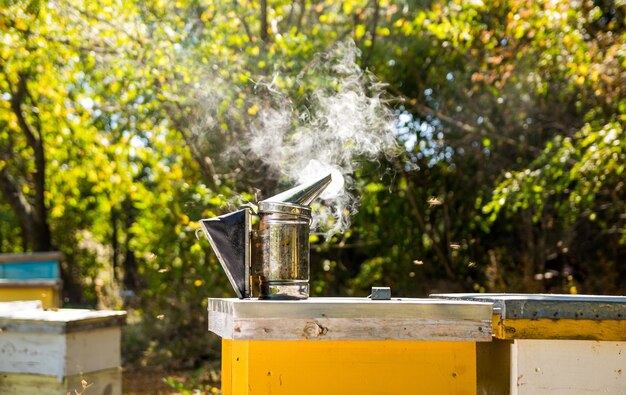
column 18, row 202
column 17, row 98
column 300, row 15
column 367, row 58
column 290, row 15
column 464, row 127
column 412, row 199
column 244, row 23
column 204, row 162
column 264, row 31
column 95, row 17
column 41, row 237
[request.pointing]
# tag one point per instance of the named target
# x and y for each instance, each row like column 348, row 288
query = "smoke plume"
column 344, row 121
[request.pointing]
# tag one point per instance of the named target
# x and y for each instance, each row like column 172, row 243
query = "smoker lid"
column 285, row 208
column 229, row 237
column 301, row 195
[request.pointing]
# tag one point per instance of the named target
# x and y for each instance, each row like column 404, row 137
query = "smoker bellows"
column 272, row 261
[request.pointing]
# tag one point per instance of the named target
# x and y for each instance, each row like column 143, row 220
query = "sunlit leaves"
column 516, row 112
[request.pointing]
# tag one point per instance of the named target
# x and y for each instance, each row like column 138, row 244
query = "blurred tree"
column 500, row 92
column 123, row 123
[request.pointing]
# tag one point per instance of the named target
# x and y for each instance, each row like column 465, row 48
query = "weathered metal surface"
column 282, row 242
column 271, row 262
column 537, row 306
column 350, row 319
column 301, row 195
column 381, row 293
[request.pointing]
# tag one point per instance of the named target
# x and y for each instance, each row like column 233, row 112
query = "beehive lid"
column 350, row 319
column 30, row 317
column 553, row 316
column 552, row 306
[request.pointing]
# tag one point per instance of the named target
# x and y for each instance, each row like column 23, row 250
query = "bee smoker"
column 271, row 261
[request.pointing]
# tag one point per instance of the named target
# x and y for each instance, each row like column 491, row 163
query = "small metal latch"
column 380, row 293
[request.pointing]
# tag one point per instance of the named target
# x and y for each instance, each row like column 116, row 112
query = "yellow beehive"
column 349, row 345
column 553, row 344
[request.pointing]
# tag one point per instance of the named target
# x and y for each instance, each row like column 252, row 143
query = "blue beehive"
column 31, row 276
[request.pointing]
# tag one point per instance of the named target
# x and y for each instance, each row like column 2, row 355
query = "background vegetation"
column 119, row 119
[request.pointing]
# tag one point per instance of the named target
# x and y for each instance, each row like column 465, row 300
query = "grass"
column 147, row 381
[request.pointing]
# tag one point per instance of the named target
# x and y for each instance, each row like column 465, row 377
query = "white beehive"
column 53, row 351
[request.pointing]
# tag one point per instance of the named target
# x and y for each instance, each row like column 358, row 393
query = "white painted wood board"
column 93, row 350
column 568, row 367
column 60, row 354
column 36, row 353
column 20, row 305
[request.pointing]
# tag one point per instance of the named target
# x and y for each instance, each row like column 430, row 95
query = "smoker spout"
column 302, row 195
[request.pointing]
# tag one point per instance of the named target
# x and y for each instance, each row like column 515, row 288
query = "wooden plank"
column 48, row 296
column 493, row 367
column 350, row 367
column 354, row 329
column 20, row 305
column 350, row 319
column 10, row 283
column 560, row 329
column 568, row 367
column 92, row 350
column 540, row 316
column 106, row 382
column 41, row 353
column 240, row 367
column 221, row 324
column 227, row 366
column 60, row 355
column 32, row 257
column 30, row 270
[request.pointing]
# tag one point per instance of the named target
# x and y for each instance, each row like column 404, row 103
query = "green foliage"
column 512, row 137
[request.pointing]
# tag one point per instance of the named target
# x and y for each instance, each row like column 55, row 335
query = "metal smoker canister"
column 281, row 251
column 271, row 262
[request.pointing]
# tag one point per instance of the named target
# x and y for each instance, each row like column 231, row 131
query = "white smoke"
column 346, row 121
